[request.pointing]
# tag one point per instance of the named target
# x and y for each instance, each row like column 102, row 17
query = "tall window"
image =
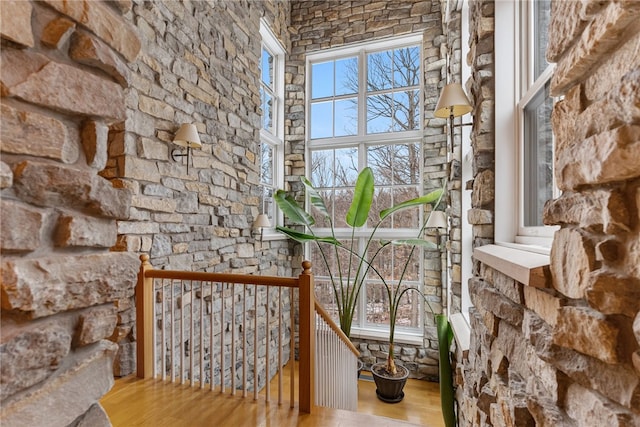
column 364, row 109
column 272, row 130
column 535, row 106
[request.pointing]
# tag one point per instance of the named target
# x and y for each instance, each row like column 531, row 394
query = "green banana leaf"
column 362, row 198
column 445, row 336
column 304, row 237
column 292, row 210
column 314, row 197
column 427, row 198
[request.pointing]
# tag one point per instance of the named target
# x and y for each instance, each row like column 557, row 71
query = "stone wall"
column 64, row 82
column 565, row 353
column 199, row 64
column 320, row 25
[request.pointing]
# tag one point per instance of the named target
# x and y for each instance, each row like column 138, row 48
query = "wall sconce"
column 453, row 103
column 261, row 222
column 438, row 220
column 187, row 136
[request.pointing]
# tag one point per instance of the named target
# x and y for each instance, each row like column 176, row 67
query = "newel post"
column 307, row 340
column 144, row 320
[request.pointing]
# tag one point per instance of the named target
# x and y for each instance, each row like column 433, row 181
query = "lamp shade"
column 452, row 96
column 262, row 221
column 437, row 219
column 187, row 136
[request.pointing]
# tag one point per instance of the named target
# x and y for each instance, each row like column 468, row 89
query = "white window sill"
column 461, row 330
column 526, row 267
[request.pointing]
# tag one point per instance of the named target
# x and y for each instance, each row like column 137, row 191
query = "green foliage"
column 347, row 286
column 445, row 337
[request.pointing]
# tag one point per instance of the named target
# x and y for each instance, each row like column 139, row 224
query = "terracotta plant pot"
column 389, row 388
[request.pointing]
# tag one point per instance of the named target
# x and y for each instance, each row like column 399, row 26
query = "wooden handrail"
column 305, row 284
column 335, row 328
column 248, row 279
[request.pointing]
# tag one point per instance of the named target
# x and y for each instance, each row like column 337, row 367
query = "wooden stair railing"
column 231, row 320
column 336, row 364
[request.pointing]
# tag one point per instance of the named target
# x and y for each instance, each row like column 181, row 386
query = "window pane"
column 407, row 218
column 379, row 71
column 321, row 80
column 267, row 111
column 346, row 169
column 406, row 67
column 322, row 168
column 538, row 157
column 347, row 76
column 266, row 66
column 268, row 204
column 541, row 16
column 321, row 120
column 346, row 117
column 395, row 164
column 405, row 110
column 379, row 110
column 266, row 172
column 343, row 200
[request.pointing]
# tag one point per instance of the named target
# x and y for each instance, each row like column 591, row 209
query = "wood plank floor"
column 135, row 402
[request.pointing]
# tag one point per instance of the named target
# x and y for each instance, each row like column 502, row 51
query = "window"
column 524, row 140
column 364, row 109
column 534, row 107
column 272, row 129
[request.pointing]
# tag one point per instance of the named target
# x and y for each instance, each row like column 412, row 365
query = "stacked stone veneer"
column 566, row 354
column 64, row 78
column 320, row 25
column 199, row 64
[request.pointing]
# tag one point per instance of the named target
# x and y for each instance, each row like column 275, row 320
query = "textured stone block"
column 579, row 328
column 603, row 83
column 543, row 303
column 611, row 294
column 94, row 141
column 6, row 175
column 57, row 32
column 48, row 86
column 572, row 259
column 618, row 382
column 82, row 231
column 589, row 408
column 24, row 132
column 46, row 184
column 599, row 37
column 564, row 27
column 21, row 226
column 483, row 189
column 30, row 354
column 96, row 323
column 597, row 210
column 15, row 22
column 94, row 417
column 67, row 395
column 89, row 51
column 47, row 285
column 602, row 158
column 547, row 413
column 102, row 21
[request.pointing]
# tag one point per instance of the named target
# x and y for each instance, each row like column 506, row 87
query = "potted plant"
column 347, row 281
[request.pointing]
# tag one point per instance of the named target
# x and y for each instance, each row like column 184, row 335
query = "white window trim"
column 508, row 138
column 273, row 45
column 362, row 140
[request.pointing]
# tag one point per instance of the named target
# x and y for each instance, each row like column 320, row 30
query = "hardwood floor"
column 134, row 402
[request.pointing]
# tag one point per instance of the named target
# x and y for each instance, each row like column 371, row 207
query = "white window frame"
column 362, row 140
column 510, row 99
column 276, row 139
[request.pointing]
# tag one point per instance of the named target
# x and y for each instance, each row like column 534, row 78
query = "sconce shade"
column 262, row 221
column 437, row 219
column 187, row 136
column 452, row 96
